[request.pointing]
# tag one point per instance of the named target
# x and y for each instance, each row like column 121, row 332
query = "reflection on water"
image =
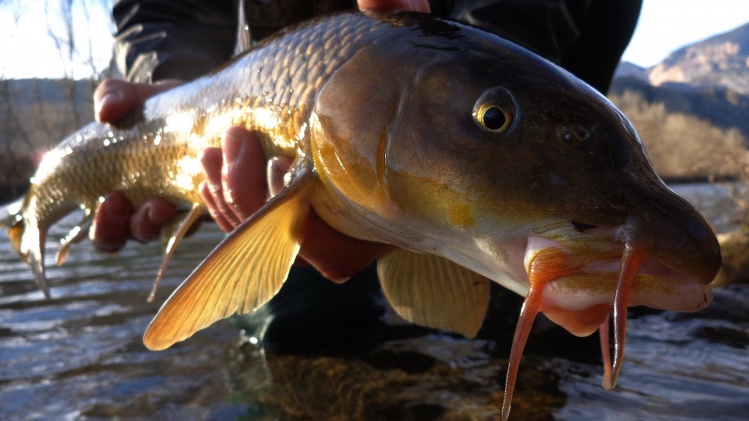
column 79, row 356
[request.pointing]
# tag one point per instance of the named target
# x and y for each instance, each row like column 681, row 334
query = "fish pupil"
column 494, row 118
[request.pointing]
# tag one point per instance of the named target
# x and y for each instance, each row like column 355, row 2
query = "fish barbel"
column 477, row 159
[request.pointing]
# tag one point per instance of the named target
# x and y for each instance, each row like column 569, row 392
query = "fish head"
column 543, row 161
column 467, row 146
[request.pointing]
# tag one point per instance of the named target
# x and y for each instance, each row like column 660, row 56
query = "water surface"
column 80, row 356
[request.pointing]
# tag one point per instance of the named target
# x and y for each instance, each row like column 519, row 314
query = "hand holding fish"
column 228, row 195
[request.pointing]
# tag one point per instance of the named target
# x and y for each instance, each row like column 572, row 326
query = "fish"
column 477, row 160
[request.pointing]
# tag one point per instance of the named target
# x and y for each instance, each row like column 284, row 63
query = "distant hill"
column 708, row 79
column 630, row 71
column 724, row 108
column 720, row 61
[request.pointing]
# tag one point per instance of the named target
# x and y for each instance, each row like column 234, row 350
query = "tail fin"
column 27, row 240
column 10, row 218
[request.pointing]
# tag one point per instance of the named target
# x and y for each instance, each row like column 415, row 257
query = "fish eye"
column 495, row 110
column 492, row 118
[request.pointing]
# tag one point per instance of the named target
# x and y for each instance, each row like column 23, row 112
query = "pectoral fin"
column 77, row 234
column 245, row 271
column 173, row 233
column 432, row 291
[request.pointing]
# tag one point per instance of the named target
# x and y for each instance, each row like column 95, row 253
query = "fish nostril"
column 573, row 134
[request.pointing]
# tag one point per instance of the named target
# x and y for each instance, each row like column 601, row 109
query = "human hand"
column 113, row 98
column 236, row 185
column 234, row 189
column 115, row 220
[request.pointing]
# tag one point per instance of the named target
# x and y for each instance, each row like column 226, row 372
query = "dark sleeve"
column 605, row 34
column 162, row 39
column 586, row 37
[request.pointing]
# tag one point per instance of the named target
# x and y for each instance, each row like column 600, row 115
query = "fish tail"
column 26, row 239
column 31, row 250
column 11, row 219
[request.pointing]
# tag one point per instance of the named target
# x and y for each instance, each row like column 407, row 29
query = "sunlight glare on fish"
column 265, row 118
column 190, row 170
column 219, row 123
column 179, row 122
column 51, row 161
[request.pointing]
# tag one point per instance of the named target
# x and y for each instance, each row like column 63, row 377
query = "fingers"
column 243, row 174
column 113, row 98
column 111, row 226
column 147, row 222
column 235, row 185
column 212, row 190
column 335, row 255
column 387, row 6
column 115, row 222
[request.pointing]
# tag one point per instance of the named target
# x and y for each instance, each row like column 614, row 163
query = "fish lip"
column 594, row 283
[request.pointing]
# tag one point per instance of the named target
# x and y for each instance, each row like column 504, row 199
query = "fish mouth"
column 580, row 302
column 580, row 290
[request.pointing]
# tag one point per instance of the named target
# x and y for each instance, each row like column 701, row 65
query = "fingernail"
column 275, row 174
column 232, row 147
column 157, row 217
column 116, row 209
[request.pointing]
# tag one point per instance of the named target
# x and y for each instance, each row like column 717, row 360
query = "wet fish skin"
column 478, row 159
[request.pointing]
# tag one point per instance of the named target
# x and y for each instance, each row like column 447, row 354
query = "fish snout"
column 671, row 231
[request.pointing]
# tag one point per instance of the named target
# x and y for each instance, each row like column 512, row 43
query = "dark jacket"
column 183, row 39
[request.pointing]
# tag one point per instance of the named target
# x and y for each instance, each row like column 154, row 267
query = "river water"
column 80, row 356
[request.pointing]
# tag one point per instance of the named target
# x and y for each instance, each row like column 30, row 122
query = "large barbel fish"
column 476, row 158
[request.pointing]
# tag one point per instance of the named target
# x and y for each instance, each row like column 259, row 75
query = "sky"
column 29, row 50
column 667, row 25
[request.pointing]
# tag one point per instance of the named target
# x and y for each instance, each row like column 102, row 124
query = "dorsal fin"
column 244, row 37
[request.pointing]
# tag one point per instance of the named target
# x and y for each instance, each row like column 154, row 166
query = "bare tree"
column 33, row 113
column 66, row 47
